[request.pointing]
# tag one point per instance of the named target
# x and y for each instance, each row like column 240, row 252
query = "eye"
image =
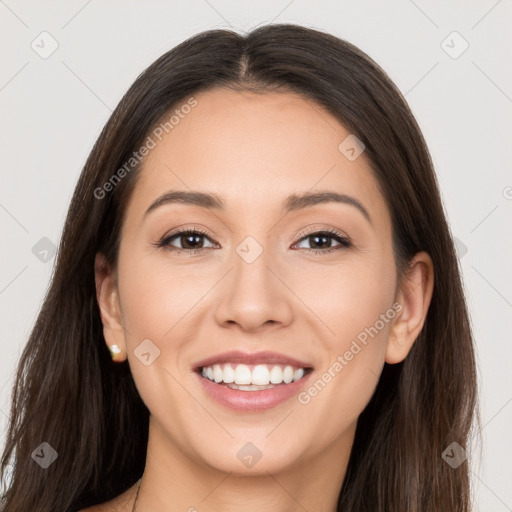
column 324, row 239
column 188, row 239
column 191, row 241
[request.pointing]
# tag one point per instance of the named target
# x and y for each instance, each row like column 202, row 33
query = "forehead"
column 253, row 150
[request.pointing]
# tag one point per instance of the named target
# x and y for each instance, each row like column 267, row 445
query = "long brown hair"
column 68, row 392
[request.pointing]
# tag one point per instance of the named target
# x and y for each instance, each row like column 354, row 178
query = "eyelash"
column 343, row 240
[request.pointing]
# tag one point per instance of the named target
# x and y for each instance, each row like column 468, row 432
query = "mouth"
column 252, row 382
column 258, row 377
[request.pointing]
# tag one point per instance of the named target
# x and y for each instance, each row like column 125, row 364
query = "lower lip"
column 252, row 401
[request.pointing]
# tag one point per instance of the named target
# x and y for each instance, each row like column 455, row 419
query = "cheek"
column 158, row 302
column 345, row 298
column 355, row 305
column 156, row 296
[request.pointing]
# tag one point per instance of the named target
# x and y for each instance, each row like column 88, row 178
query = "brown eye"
column 322, row 241
column 189, row 240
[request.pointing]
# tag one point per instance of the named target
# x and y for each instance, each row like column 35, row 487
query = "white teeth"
column 288, row 374
column 276, row 375
column 242, row 374
column 298, row 374
column 228, row 374
column 261, row 377
column 217, row 373
column 252, row 387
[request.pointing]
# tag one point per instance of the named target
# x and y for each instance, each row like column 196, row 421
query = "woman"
column 256, row 301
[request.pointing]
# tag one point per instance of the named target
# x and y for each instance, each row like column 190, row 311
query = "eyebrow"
column 292, row 203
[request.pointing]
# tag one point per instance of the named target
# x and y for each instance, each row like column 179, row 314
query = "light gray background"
column 53, row 109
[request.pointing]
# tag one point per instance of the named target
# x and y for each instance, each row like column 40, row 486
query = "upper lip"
column 241, row 357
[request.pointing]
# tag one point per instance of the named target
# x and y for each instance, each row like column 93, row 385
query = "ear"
column 110, row 311
column 414, row 295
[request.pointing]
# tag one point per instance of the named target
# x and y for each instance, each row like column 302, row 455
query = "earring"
column 114, row 352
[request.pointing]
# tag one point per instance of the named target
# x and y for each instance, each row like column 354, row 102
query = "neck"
column 173, row 480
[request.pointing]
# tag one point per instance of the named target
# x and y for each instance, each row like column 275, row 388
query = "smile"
column 256, row 377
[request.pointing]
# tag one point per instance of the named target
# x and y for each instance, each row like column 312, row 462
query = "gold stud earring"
column 114, row 352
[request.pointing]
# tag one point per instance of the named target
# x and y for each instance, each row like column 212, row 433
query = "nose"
column 253, row 296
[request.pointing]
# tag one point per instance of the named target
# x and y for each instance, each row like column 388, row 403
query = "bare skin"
column 253, row 151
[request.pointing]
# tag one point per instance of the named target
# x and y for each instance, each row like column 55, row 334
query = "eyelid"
column 315, row 228
column 186, row 229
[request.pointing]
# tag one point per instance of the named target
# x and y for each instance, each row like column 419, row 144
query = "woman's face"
column 264, row 277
